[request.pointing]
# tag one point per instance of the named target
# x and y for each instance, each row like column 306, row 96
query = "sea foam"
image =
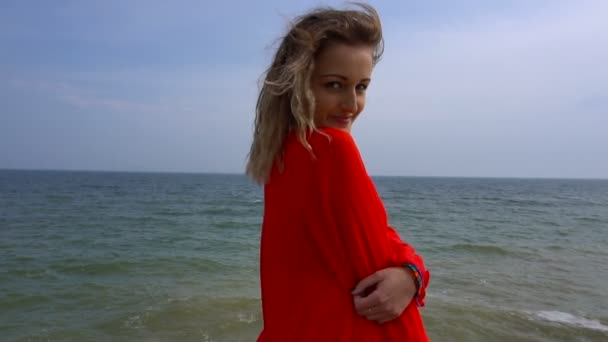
column 569, row 319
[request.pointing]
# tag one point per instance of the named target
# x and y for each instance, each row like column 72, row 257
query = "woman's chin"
column 345, row 126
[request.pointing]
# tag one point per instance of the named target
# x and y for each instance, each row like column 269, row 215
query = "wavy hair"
column 286, row 101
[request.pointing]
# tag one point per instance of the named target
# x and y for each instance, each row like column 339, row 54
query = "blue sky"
column 467, row 88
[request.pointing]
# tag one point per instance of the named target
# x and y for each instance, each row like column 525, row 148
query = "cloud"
column 541, row 63
column 466, row 89
column 518, row 95
column 180, row 90
column 84, row 97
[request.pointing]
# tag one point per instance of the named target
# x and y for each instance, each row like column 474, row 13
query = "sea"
column 118, row 256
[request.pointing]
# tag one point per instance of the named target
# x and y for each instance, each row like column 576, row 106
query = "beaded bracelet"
column 418, row 279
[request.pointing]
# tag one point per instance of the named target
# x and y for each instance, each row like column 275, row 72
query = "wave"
column 170, row 212
column 192, row 318
column 483, row 249
column 453, row 307
column 586, row 219
column 220, row 211
column 529, row 202
column 71, row 266
column 19, row 300
column 571, row 320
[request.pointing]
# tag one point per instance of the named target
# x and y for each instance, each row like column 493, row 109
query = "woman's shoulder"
column 325, row 145
column 335, row 139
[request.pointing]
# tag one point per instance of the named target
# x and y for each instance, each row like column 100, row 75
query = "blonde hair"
column 285, row 101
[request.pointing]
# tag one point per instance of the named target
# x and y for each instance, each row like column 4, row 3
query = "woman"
column 331, row 267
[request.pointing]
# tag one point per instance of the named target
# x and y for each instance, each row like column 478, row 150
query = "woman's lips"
column 342, row 120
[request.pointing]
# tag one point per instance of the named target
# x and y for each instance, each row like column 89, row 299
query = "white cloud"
column 517, row 96
column 508, row 94
column 497, row 66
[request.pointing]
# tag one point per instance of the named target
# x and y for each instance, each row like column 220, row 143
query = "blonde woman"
column 331, row 267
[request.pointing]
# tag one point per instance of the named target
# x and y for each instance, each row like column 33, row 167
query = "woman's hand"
column 384, row 295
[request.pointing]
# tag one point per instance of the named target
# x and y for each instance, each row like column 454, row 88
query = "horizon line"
column 244, row 175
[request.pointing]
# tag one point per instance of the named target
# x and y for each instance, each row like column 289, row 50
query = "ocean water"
column 174, row 257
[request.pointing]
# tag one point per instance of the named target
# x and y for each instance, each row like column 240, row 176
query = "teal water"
column 164, row 257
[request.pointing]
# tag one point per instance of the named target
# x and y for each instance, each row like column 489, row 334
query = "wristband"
column 418, row 280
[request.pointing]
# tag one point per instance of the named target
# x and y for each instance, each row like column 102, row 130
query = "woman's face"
column 339, row 81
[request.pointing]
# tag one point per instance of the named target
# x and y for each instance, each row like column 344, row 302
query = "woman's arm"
column 406, row 256
column 393, row 287
column 352, row 225
column 348, row 223
column 353, row 234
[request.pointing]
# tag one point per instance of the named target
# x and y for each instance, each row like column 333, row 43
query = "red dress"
column 325, row 229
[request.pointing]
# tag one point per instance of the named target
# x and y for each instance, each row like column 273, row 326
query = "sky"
column 464, row 89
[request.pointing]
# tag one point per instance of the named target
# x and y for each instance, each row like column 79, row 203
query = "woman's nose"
column 349, row 102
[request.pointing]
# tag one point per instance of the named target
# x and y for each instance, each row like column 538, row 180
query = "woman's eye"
column 333, row 85
column 361, row 87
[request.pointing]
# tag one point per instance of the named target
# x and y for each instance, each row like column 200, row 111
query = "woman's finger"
column 363, row 304
column 366, row 283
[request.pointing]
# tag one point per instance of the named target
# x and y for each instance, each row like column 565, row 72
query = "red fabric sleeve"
column 324, row 230
column 354, row 235
column 406, row 254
